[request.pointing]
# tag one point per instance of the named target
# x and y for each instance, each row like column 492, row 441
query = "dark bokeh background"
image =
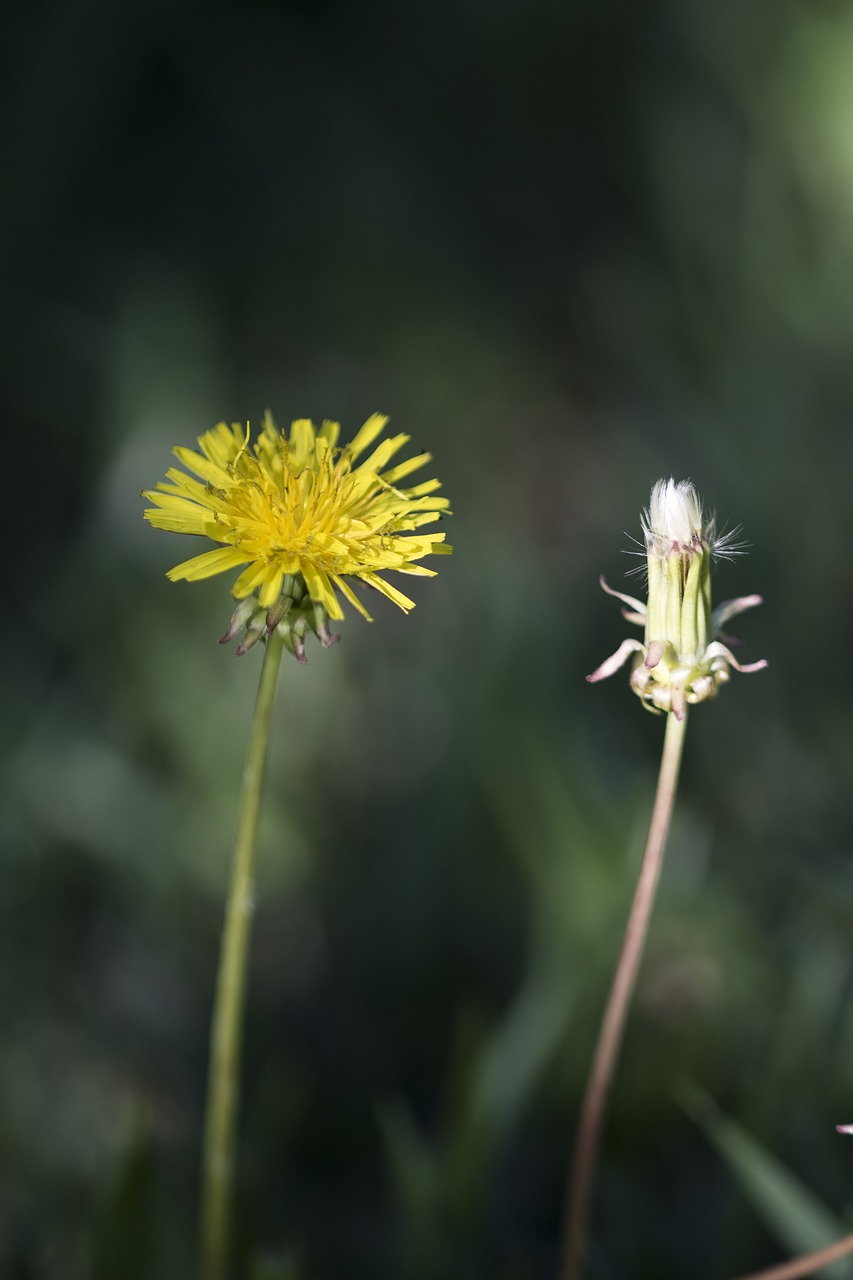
column 569, row 248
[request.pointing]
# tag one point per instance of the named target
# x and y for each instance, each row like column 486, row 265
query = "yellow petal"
column 182, row 522
column 345, row 588
column 381, row 454
column 302, row 436
column 330, row 431
column 416, row 570
column 428, row 486
column 392, row 593
column 406, row 468
column 271, row 590
column 374, row 426
column 223, row 443
column 205, row 566
column 249, row 580
column 321, row 590
column 203, row 467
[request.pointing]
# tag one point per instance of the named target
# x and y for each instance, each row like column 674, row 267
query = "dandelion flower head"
column 300, row 508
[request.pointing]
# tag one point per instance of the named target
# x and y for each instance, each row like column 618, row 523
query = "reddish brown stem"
column 807, row 1265
column 613, row 1025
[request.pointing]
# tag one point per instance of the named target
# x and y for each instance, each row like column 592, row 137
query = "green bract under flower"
column 684, row 658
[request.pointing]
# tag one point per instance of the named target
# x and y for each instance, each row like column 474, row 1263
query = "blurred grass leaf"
column 269, row 1267
column 135, row 1234
column 417, row 1179
column 792, row 1212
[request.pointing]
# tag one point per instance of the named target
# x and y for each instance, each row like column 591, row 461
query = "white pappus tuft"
column 673, row 519
column 675, row 522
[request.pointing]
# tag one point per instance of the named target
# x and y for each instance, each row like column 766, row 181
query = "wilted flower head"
column 683, row 659
column 301, row 517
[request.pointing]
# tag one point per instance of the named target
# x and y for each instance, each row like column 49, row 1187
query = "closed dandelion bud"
column 293, row 623
column 293, row 631
column 684, row 658
column 256, row 628
column 277, row 612
column 239, row 619
column 320, row 622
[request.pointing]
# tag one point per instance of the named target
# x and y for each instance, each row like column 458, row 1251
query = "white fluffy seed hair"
column 675, row 515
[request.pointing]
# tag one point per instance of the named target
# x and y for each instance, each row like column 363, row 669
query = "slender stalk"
column 227, row 1022
column 613, row 1023
column 808, row 1264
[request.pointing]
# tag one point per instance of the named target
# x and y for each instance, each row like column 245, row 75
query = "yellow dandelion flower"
column 300, row 516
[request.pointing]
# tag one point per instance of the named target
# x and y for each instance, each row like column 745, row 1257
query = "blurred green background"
column 570, row 248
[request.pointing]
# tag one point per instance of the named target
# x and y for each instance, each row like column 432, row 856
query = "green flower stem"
column 808, row 1264
column 613, row 1024
column 229, row 1001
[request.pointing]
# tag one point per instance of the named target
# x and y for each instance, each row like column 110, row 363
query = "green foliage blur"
column 570, row 248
